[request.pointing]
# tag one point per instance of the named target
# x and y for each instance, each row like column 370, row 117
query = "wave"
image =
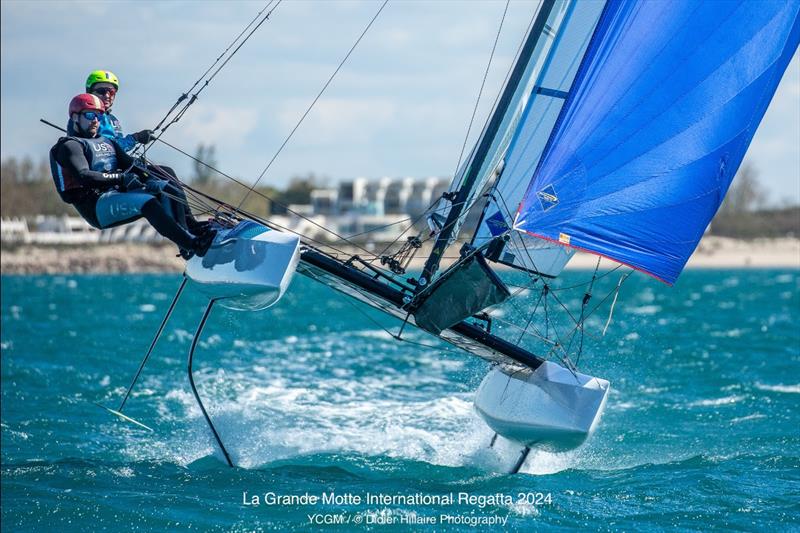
column 790, row 389
column 727, row 400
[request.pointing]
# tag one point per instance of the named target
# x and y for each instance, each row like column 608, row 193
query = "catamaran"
column 617, row 132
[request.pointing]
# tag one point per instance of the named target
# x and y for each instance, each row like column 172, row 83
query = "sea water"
column 333, row 424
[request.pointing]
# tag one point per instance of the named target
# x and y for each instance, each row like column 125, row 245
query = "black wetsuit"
column 87, row 173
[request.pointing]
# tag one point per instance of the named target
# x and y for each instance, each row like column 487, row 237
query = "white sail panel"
column 569, row 36
column 513, row 112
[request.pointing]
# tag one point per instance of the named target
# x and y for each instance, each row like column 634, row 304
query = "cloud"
column 332, row 120
column 225, row 126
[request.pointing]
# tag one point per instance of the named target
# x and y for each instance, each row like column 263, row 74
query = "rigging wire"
column 600, row 303
column 252, row 187
column 614, row 302
column 267, row 222
column 530, row 316
column 480, row 91
column 548, row 290
column 207, row 207
column 519, row 237
column 185, row 95
column 586, row 297
column 527, row 252
column 344, row 239
column 199, row 201
column 410, row 226
column 347, row 239
column 463, row 147
column 193, row 98
column 266, row 197
column 305, row 114
column 517, row 55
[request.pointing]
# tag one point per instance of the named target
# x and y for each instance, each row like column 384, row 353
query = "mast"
column 451, row 225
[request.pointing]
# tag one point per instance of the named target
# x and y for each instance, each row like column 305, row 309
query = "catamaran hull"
column 247, row 268
column 549, row 408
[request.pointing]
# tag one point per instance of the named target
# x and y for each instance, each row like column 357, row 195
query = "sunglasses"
column 91, row 115
column 105, row 90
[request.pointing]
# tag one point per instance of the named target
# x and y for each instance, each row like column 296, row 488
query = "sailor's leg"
column 182, row 212
column 194, row 389
column 173, row 202
column 115, row 208
column 161, row 171
column 177, row 193
column 163, row 223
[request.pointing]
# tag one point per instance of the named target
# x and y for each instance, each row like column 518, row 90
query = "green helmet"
column 101, row 76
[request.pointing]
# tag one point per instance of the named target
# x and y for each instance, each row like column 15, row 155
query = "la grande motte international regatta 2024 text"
column 346, row 498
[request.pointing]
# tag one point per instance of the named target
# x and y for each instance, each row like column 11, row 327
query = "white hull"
column 247, row 268
column 549, row 408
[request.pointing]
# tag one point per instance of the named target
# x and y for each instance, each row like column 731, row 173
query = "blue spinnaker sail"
column 662, row 110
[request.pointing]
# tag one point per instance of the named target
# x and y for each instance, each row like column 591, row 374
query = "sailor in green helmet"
column 108, row 189
column 104, row 84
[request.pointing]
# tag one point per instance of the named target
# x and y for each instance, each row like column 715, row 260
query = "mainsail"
column 552, row 17
column 484, row 158
column 567, row 37
column 659, row 118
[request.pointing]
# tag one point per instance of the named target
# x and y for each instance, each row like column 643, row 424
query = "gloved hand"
column 130, row 182
column 143, row 137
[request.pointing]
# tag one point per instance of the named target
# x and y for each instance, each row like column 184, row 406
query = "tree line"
column 26, row 189
column 745, row 213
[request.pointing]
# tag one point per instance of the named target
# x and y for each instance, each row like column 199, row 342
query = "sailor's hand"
column 130, row 182
column 144, row 136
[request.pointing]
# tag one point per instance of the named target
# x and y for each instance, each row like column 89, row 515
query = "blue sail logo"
column 497, row 224
column 547, row 197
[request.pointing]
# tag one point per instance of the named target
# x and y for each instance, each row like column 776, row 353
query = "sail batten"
column 662, row 110
column 555, row 93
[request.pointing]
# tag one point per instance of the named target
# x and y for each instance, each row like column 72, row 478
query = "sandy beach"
column 713, row 252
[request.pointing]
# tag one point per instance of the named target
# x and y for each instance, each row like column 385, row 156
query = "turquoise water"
column 701, row 428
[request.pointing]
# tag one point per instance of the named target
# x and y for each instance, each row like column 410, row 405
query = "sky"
column 400, row 106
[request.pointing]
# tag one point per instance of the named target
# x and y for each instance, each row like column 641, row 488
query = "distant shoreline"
column 713, row 252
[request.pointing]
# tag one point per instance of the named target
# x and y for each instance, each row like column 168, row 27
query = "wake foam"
column 307, row 397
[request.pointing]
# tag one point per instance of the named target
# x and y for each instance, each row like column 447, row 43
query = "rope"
column 556, row 345
column 614, row 303
column 193, row 98
column 266, row 197
column 324, row 87
column 586, row 297
column 413, row 223
column 483, row 83
column 185, row 95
